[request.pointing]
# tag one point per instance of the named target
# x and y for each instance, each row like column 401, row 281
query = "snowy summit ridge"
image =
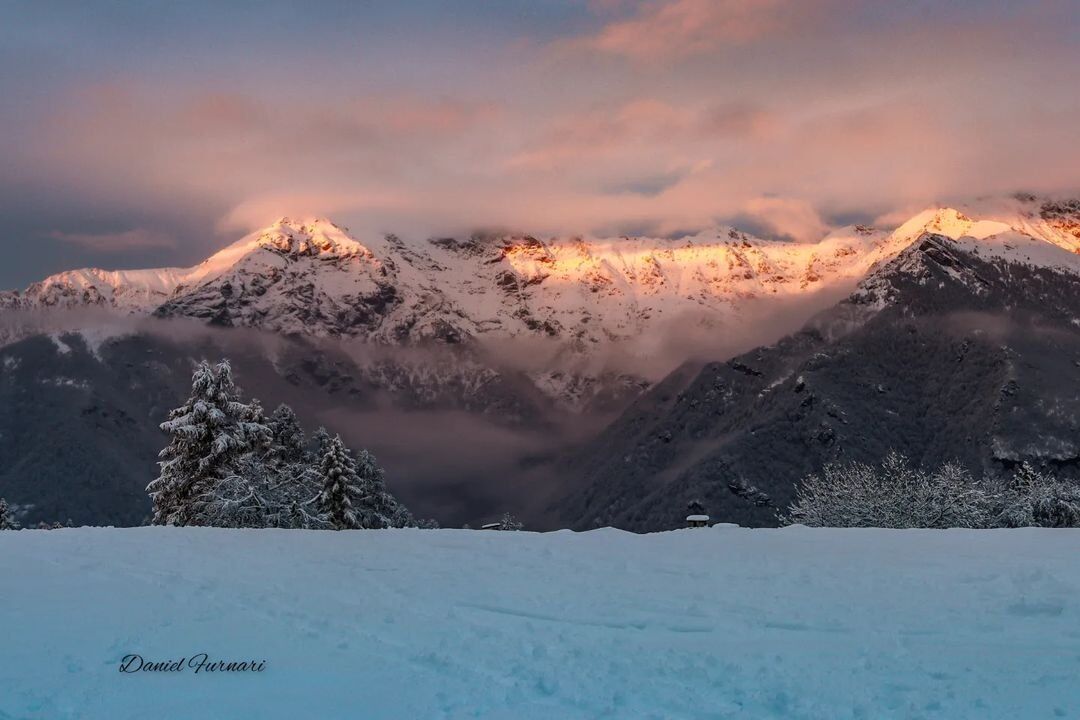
column 311, row 277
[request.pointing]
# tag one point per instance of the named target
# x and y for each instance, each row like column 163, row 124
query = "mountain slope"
column 79, row 433
column 963, row 349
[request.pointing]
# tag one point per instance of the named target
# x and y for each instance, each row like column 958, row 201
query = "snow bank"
column 704, row 623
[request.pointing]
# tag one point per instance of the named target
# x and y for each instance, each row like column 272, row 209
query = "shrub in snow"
column 7, row 518
column 509, row 522
column 894, row 495
column 209, row 434
column 1032, row 498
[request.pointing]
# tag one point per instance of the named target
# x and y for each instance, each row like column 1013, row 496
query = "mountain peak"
column 292, row 237
column 1053, row 221
column 311, row 235
column 305, row 224
column 946, row 221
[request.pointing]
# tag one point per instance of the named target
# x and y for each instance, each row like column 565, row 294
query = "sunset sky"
column 139, row 134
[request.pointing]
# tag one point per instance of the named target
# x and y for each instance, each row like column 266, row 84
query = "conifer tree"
column 7, row 517
column 287, row 437
column 208, row 435
column 340, row 485
column 376, row 507
column 320, row 441
column 294, row 498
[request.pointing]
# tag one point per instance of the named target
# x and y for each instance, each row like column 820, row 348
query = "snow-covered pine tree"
column 209, row 434
column 320, row 441
column 354, row 491
column 256, row 494
column 287, row 437
column 237, row 500
column 377, row 508
column 340, row 485
column 7, row 517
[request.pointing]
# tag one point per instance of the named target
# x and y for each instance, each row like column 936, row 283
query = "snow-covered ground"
column 704, row 623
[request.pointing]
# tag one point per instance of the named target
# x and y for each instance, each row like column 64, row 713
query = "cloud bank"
column 662, row 116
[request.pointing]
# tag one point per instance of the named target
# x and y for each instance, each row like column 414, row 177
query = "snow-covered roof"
column 491, row 526
column 697, row 518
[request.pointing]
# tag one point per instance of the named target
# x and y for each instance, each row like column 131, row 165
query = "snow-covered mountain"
column 963, row 346
column 311, row 277
column 959, row 337
column 579, row 296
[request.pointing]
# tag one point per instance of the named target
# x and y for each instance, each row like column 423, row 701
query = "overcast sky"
column 138, row 134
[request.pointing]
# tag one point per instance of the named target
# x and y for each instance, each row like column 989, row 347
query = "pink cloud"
column 679, row 28
column 790, row 128
column 787, row 217
column 259, row 211
column 116, row 242
column 642, row 128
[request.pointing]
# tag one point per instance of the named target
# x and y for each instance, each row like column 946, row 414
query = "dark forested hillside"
column 79, row 432
column 942, row 354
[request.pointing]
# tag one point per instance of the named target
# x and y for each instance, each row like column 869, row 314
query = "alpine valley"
column 578, row 381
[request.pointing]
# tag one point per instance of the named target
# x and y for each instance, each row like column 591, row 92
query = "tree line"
column 229, row 465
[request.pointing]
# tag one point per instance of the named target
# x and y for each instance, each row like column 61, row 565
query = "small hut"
column 697, row 521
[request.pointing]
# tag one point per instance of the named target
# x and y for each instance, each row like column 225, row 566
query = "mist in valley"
column 463, row 431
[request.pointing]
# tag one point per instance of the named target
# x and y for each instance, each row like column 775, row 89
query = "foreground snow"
column 709, row 623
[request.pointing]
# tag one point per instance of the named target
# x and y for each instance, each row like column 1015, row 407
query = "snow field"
column 706, row 623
